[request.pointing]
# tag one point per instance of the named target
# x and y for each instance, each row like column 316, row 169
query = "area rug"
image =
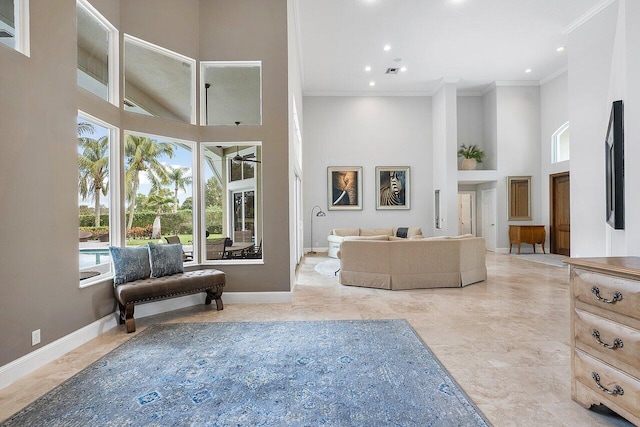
column 328, row 268
column 548, row 259
column 326, row 373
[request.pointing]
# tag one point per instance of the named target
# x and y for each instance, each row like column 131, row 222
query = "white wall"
column 490, row 130
column 518, row 138
column 590, row 63
column 554, row 112
column 471, row 124
column 367, row 132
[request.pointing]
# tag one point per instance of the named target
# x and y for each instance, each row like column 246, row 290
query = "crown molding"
column 587, row 16
column 554, row 75
column 366, row 94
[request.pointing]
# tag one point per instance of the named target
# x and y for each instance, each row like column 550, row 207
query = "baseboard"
column 501, row 250
column 15, row 370
column 257, row 297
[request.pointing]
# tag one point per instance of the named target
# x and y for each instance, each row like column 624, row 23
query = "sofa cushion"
column 376, row 232
column 129, row 264
column 165, row 259
column 380, row 237
column 346, row 232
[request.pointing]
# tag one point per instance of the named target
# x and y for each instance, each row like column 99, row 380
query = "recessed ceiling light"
column 387, row 47
column 528, row 70
column 367, row 68
column 403, row 69
column 372, row 83
column 560, row 49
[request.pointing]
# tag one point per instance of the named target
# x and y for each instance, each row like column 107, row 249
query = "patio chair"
column 256, row 253
column 186, row 255
column 216, row 248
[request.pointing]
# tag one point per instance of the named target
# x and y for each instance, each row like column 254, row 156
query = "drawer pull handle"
column 617, row 343
column 616, row 388
column 617, row 296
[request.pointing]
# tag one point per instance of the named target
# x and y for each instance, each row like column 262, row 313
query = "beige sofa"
column 338, row 235
column 413, row 263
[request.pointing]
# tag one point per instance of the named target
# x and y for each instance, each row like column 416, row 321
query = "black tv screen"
column 614, row 163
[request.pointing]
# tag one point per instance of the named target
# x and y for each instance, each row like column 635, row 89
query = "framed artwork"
column 344, row 187
column 392, row 187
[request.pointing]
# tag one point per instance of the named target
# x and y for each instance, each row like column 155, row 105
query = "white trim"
column 15, row 370
column 21, row 21
column 587, row 16
column 257, row 297
column 509, row 83
column 489, row 88
column 553, row 75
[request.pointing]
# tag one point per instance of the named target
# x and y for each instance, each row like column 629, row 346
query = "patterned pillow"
column 165, row 259
column 129, row 264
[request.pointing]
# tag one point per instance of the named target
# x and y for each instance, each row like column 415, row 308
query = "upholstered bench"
column 152, row 289
column 154, row 272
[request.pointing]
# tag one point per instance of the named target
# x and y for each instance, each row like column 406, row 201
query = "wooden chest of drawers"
column 533, row 234
column 605, row 333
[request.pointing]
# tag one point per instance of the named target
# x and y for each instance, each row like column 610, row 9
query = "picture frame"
column 344, row 188
column 393, row 187
column 614, row 166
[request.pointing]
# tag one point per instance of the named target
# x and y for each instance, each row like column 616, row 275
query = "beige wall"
column 38, row 166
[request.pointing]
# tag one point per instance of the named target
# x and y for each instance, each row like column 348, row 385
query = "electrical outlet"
column 35, row 337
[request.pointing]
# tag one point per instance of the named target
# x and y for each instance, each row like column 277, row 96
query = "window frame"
column 555, row 140
column 235, row 186
column 22, row 37
column 162, row 51
column 113, row 67
column 115, row 229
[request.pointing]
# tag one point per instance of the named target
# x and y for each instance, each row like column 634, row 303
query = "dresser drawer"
column 611, row 379
column 607, row 292
column 591, row 330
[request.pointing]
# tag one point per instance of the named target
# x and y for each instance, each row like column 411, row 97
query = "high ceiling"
column 470, row 42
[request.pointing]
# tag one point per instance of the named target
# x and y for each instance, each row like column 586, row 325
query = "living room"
column 40, row 288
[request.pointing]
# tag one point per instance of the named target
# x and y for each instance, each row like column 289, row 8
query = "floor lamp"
column 319, row 213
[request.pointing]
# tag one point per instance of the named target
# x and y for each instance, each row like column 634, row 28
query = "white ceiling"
column 471, row 42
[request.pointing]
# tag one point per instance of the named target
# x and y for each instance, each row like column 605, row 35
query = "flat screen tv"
column 614, row 155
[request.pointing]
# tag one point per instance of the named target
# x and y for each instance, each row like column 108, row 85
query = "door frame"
column 553, row 249
column 491, row 242
column 474, row 226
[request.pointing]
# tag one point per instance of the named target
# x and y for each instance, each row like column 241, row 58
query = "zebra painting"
column 392, row 186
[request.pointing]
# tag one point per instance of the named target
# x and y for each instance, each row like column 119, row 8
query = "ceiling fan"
column 246, row 158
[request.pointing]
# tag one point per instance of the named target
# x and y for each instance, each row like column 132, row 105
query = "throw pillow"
column 402, row 232
column 129, row 264
column 165, row 259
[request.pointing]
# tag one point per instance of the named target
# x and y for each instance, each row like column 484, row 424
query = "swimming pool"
column 90, row 257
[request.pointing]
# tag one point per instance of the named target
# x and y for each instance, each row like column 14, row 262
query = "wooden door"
column 560, row 215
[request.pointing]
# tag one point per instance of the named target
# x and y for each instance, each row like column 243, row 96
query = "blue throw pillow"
column 129, row 264
column 165, row 259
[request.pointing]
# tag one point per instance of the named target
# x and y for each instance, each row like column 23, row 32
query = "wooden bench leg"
column 215, row 295
column 129, row 320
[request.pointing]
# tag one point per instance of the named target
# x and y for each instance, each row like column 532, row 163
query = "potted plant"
column 472, row 156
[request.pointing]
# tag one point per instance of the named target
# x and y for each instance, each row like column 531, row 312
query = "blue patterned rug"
column 330, row 373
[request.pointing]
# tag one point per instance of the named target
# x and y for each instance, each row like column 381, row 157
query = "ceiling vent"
column 5, row 33
column 392, row 70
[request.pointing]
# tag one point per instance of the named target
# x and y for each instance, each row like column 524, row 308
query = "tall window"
column 159, row 189
column 97, row 52
column 14, row 24
column 232, row 195
column 158, row 82
column 560, row 144
column 94, row 197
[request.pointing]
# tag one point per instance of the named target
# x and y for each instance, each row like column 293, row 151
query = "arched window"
column 560, row 144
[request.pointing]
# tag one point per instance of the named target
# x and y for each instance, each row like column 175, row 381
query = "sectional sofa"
column 397, row 264
column 338, row 235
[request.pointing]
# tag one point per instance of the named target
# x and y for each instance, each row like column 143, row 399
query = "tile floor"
column 505, row 341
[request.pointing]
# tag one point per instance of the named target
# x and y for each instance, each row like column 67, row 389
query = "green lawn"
column 186, row 239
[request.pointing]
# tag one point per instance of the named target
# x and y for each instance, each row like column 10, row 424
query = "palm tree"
column 180, row 181
column 141, row 155
column 93, row 167
column 158, row 199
